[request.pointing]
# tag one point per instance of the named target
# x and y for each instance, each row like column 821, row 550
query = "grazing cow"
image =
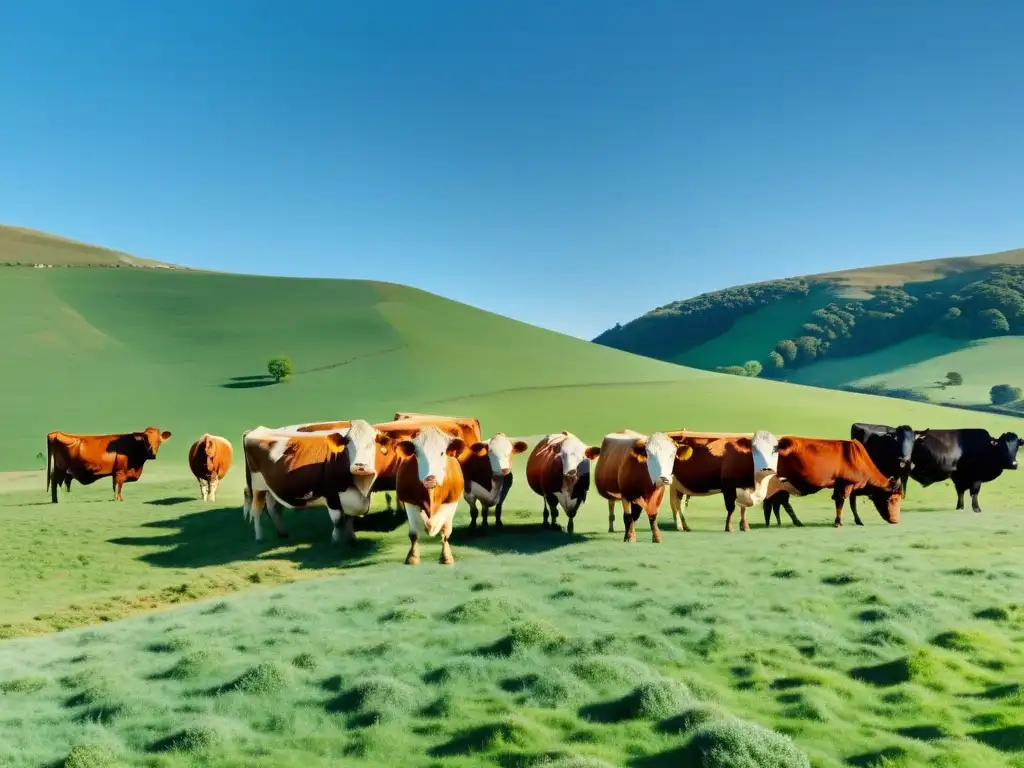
column 742, row 467
column 429, row 484
column 296, row 469
column 487, row 473
column 209, row 458
column 558, row 470
column 87, row 458
column 809, row 464
column 890, row 448
column 317, row 426
column 969, row 456
column 635, row 470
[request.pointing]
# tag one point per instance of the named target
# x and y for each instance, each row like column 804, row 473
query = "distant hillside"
column 896, row 330
column 28, row 248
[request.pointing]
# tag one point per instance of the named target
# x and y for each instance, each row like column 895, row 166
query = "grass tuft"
column 735, row 743
column 263, row 679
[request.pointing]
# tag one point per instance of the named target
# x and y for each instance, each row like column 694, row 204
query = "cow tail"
column 247, row 493
column 49, row 461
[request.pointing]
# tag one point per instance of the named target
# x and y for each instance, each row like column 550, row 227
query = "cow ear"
column 785, row 444
column 455, row 446
column 382, row 438
column 165, row 436
column 519, row 447
column 405, row 449
column 639, row 451
column 592, row 452
column 336, row 442
column 684, row 452
column 478, row 449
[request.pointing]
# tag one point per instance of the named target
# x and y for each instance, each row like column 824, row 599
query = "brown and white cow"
column 558, row 470
column 809, row 464
column 406, row 428
column 317, row 426
column 209, row 458
column 742, row 467
column 487, row 472
column 87, row 458
column 635, row 470
column 429, row 485
column 296, row 469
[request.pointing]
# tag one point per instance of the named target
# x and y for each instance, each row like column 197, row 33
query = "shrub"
column 732, row 370
column 753, row 368
column 735, row 743
column 1001, row 394
column 954, row 379
column 279, row 368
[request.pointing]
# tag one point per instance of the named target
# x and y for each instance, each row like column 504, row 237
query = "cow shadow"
column 171, row 501
column 519, row 538
column 220, row 536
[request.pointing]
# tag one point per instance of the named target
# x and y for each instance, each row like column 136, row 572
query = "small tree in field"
column 279, row 368
column 1001, row 394
column 954, row 379
column 753, row 368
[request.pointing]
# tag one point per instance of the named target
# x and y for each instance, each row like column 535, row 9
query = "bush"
column 1001, row 394
column 992, row 322
column 753, row 368
column 954, row 379
column 735, row 743
column 279, row 368
column 732, row 370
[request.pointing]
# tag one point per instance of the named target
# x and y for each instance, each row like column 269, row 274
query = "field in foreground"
column 872, row 646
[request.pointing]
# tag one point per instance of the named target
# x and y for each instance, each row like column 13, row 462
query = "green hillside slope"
column 842, row 329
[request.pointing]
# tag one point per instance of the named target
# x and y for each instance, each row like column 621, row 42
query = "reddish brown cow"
column 209, row 458
column 742, row 467
column 406, row 428
column 429, row 485
column 558, row 470
column 635, row 469
column 809, row 464
column 87, row 458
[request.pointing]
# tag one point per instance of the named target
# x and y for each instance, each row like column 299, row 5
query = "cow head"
column 906, row 439
column 660, row 452
column 1006, row 449
column 887, row 500
column 575, row 456
column 362, row 443
column 499, row 451
column 150, row 440
column 432, row 446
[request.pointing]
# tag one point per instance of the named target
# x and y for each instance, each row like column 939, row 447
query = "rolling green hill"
column 896, row 329
column 157, row 632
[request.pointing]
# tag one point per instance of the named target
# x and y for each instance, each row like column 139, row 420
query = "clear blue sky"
column 570, row 163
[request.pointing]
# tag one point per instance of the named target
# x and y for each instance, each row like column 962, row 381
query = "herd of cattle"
column 431, row 462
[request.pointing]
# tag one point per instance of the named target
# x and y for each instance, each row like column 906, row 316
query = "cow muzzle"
column 1013, row 465
column 506, row 471
column 663, row 482
column 570, row 476
column 429, row 482
column 362, row 470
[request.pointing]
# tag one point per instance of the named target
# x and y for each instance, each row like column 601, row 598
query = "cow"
column 740, row 466
column 890, row 448
column 209, row 458
column 809, row 464
column 634, row 470
column 406, row 428
column 487, row 473
column 296, row 469
column 87, row 458
column 558, row 470
column 969, row 457
column 317, row 426
column 428, row 486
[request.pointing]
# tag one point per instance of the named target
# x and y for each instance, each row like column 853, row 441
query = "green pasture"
column 157, row 632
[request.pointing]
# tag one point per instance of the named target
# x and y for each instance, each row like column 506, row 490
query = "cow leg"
column 202, row 489
column 961, row 488
column 413, row 558
column 118, row 482
column 214, row 482
column 276, row 518
column 545, row 524
column 975, row 490
column 729, row 497
column 484, row 510
column 789, row 511
column 336, row 515
column 744, row 525
column 553, row 506
column 611, row 515
column 256, row 510
column 839, row 495
column 652, row 518
column 629, row 521
column 387, row 500
column 473, row 511
column 853, row 508
column 676, row 502
column 506, row 486
column 56, row 479
column 446, row 549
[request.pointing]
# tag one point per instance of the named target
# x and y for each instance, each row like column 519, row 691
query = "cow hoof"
column 859, row 522
column 545, row 525
column 837, row 524
column 797, row 523
column 611, row 529
column 472, row 524
column 556, row 527
column 498, row 524
column 977, row 511
column 412, row 560
column 569, row 528
column 746, row 526
column 448, row 561
column 483, row 524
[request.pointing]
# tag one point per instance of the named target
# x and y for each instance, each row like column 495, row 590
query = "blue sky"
column 570, row 163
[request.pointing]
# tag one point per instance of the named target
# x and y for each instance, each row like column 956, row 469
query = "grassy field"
column 29, row 247
column 158, row 632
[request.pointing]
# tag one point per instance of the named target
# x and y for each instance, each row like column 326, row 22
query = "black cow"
column 969, row 456
column 890, row 448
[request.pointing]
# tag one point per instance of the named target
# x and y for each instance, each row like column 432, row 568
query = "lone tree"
column 279, row 368
column 1001, row 394
column 954, row 379
column 753, row 368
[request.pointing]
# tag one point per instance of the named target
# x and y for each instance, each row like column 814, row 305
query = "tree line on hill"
column 992, row 305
